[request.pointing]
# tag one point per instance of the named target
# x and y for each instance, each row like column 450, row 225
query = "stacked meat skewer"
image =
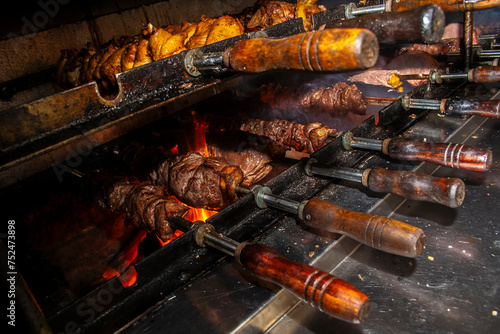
column 101, row 63
column 336, row 100
column 306, row 138
column 206, row 182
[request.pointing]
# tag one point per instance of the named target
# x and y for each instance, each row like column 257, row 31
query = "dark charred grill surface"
column 170, row 275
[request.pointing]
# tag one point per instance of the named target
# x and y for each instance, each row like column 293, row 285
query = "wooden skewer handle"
column 322, row 50
column 420, row 25
column 447, row 5
column 484, row 74
column 319, row 288
column 416, row 186
column 447, row 154
column 470, row 106
column 379, row 232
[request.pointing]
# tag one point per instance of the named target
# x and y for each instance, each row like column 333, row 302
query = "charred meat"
column 337, row 100
column 145, row 205
column 253, row 154
column 451, row 42
column 198, row 181
column 273, row 12
column 301, row 137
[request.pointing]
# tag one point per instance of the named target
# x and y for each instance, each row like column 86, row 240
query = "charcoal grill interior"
column 69, row 249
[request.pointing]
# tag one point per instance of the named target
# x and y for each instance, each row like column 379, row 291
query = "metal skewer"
column 411, row 185
column 379, row 232
column 447, row 154
column 322, row 290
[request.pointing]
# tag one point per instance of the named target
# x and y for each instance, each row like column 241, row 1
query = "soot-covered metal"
column 177, row 285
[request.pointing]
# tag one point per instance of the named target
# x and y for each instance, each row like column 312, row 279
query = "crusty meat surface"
column 413, row 62
column 270, row 13
column 337, row 99
column 146, row 206
column 199, row 181
column 154, row 43
column 253, row 155
column 451, row 41
column 301, row 137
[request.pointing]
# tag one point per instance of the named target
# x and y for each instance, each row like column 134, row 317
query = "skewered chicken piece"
column 337, row 100
column 101, row 64
column 145, row 205
column 301, row 137
column 273, row 12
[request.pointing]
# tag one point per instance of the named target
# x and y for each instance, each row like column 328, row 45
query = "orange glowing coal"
column 123, row 263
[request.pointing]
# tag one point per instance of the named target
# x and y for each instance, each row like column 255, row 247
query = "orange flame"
column 175, row 149
column 195, row 214
column 125, row 270
column 174, row 235
column 197, row 141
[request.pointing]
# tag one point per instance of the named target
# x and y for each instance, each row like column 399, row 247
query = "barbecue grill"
column 80, row 267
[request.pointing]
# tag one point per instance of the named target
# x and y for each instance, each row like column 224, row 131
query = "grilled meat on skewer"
column 337, row 100
column 199, row 181
column 406, row 63
column 301, row 137
column 451, row 41
column 253, row 154
column 101, row 64
column 145, row 205
column 273, row 12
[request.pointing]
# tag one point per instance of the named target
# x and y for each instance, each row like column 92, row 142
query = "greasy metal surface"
column 410, row 295
column 453, row 287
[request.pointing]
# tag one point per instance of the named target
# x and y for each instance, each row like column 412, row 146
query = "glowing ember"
column 176, row 234
column 123, row 264
column 129, row 277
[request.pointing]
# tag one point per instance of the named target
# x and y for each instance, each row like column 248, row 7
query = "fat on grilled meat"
column 75, row 67
column 336, row 100
column 411, row 62
column 301, row 137
column 146, row 206
column 198, row 181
